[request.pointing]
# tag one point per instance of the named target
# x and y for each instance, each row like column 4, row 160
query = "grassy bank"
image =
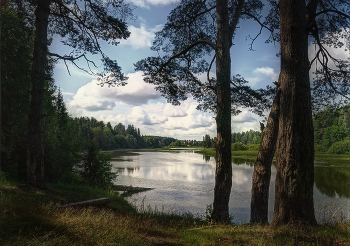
column 250, row 155
column 32, row 217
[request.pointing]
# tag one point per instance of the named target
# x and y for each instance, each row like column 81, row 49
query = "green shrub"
column 341, row 147
column 253, row 147
column 96, row 169
column 239, row 146
column 319, row 148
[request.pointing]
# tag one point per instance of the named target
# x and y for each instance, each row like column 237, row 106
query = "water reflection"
column 239, row 161
column 206, row 158
column 185, row 182
column 333, row 181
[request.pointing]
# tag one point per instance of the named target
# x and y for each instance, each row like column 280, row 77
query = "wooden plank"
column 94, row 202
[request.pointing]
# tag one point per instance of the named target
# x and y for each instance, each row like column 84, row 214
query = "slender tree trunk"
column 223, row 177
column 35, row 148
column 295, row 143
column 262, row 168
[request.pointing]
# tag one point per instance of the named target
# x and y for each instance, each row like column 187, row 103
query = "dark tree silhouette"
column 81, row 24
column 331, row 85
column 195, row 31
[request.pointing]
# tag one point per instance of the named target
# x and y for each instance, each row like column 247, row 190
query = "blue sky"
column 138, row 103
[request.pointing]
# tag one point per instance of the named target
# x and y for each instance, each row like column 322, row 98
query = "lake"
column 183, row 182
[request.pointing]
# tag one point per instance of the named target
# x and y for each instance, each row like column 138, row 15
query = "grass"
column 323, row 156
column 32, row 217
column 239, row 156
column 250, row 155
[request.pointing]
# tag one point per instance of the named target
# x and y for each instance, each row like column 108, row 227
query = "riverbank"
column 32, row 217
column 251, row 155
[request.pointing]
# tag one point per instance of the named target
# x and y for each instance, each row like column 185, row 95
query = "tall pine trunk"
column 35, row 148
column 295, row 143
column 262, row 167
column 223, row 176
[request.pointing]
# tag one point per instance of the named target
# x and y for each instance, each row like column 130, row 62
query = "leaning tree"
column 198, row 31
column 81, row 25
column 327, row 22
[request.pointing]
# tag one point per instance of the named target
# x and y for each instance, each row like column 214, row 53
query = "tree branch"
column 65, row 57
column 211, row 63
column 333, row 11
column 257, row 20
column 204, row 12
column 72, row 59
column 253, row 39
column 203, row 41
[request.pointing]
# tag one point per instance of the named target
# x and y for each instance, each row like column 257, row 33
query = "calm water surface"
column 183, row 181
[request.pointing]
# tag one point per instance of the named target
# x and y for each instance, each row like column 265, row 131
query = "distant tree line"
column 331, row 129
column 248, row 137
column 107, row 137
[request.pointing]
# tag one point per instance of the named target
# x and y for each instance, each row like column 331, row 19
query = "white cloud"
column 92, row 97
column 132, row 104
column 172, row 111
column 89, row 97
column 146, row 3
column 68, row 93
column 138, row 115
column 193, row 118
column 238, row 123
column 243, row 117
column 267, row 71
column 141, row 37
column 262, row 74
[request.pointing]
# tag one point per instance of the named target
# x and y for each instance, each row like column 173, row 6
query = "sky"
column 138, row 103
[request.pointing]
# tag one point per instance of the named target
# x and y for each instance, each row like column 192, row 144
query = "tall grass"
column 32, row 217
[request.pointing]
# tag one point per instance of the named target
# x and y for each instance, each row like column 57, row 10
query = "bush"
column 95, row 168
column 254, row 147
column 319, row 148
column 239, row 146
column 341, row 147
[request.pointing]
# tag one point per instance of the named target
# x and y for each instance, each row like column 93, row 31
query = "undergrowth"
column 32, row 217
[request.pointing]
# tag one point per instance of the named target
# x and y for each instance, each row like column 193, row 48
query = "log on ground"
column 94, row 202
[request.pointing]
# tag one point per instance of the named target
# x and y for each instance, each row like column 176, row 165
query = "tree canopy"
column 81, row 25
column 198, row 31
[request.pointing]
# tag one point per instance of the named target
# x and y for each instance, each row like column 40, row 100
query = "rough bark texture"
column 295, row 142
column 223, row 177
column 35, row 151
column 262, row 167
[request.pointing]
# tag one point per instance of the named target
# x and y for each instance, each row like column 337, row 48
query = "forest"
column 67, row 136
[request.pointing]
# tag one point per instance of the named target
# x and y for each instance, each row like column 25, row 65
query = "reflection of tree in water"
column 206, row 158
column 333, row 180
column 132, row 169
column 235, row 160
column 239, row 161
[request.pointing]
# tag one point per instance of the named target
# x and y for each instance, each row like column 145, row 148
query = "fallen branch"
column 94, row 202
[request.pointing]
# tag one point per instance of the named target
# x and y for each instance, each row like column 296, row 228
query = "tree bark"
column 223, row 176
column 295, row 143
column 262, row 167
column 35, row 148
